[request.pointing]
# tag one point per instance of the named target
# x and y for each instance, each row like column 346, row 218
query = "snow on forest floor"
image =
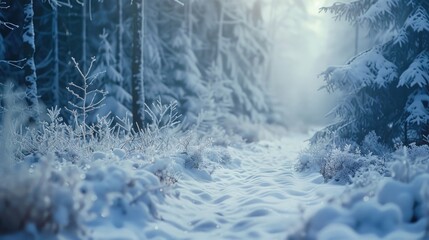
column 258, row 195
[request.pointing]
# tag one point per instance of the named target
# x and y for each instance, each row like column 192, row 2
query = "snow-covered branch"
column 3, row 5
column 15, row 63
column 179, row 2
column 88, row 100
column 9, row 25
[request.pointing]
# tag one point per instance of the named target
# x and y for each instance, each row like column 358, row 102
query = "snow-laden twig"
column 60, row 3
column 163, row 116
column 3, row 5
column 179, row 2
column 88, row 100
column 9, row 25
column 14, row 63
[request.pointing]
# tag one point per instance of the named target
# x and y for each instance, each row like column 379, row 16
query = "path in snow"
column 260, row 199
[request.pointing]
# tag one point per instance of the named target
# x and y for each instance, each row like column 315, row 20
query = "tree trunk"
column 406, row 133
column 84, row 35
column 219, row 37
column 188, row 17
column 28, row 49
column 56, row 80
column 137, row 81
column 120, row 37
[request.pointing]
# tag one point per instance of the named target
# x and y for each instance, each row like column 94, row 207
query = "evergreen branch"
column 349, row 11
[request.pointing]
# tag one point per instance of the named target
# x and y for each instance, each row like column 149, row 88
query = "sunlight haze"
column 305, row 45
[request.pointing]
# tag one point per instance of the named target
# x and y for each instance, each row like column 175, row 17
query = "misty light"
column 305, row 46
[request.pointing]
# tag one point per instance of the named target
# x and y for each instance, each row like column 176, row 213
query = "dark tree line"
column 208, row 55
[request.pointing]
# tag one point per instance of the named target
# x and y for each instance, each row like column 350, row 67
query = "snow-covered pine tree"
column 117, row 99
column 243, row 54
column 230, row 35
column 156, row 82
column 180, row 65
column 384, row 89
column 47, row 56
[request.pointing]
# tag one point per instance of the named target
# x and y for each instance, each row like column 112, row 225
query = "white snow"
column 399, row 211
column 253, row 193
column 258, row 195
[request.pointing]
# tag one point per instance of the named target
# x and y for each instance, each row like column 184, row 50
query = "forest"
column 199, row 119
column 139, row 53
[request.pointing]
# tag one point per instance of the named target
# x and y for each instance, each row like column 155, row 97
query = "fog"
column 306, row 42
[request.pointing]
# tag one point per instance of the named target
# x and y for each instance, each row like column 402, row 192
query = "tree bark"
column 219, row 37
column 120, row 37
column 56, row 80
column 28, row 49
column 137, row 69
column 188, row 17
column 84, row 35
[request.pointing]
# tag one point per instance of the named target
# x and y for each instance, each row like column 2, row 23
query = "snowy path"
column 260, row 199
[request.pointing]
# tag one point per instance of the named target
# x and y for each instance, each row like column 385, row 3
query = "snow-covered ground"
column 244, row 191
column 252, row 191
column 258, row 195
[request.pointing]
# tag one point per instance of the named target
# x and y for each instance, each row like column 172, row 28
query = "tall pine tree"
column 384, row 89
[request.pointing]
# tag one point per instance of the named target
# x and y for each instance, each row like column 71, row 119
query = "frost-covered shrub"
column 313, row 158
column 120, row 193
column 343, row 160
column 35, row 196
column 387, row 205
column 321, row 144
column 48, row 200
column 368, row 176
column 339, row 163
column 395, row 211
column 117, row 174
column 42, row 200
column 54, row 136
column 163, row 135
column 410, row 162
column 371, row 144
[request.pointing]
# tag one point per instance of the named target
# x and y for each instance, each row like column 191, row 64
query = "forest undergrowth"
column 58, row 176
column 386, row 195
